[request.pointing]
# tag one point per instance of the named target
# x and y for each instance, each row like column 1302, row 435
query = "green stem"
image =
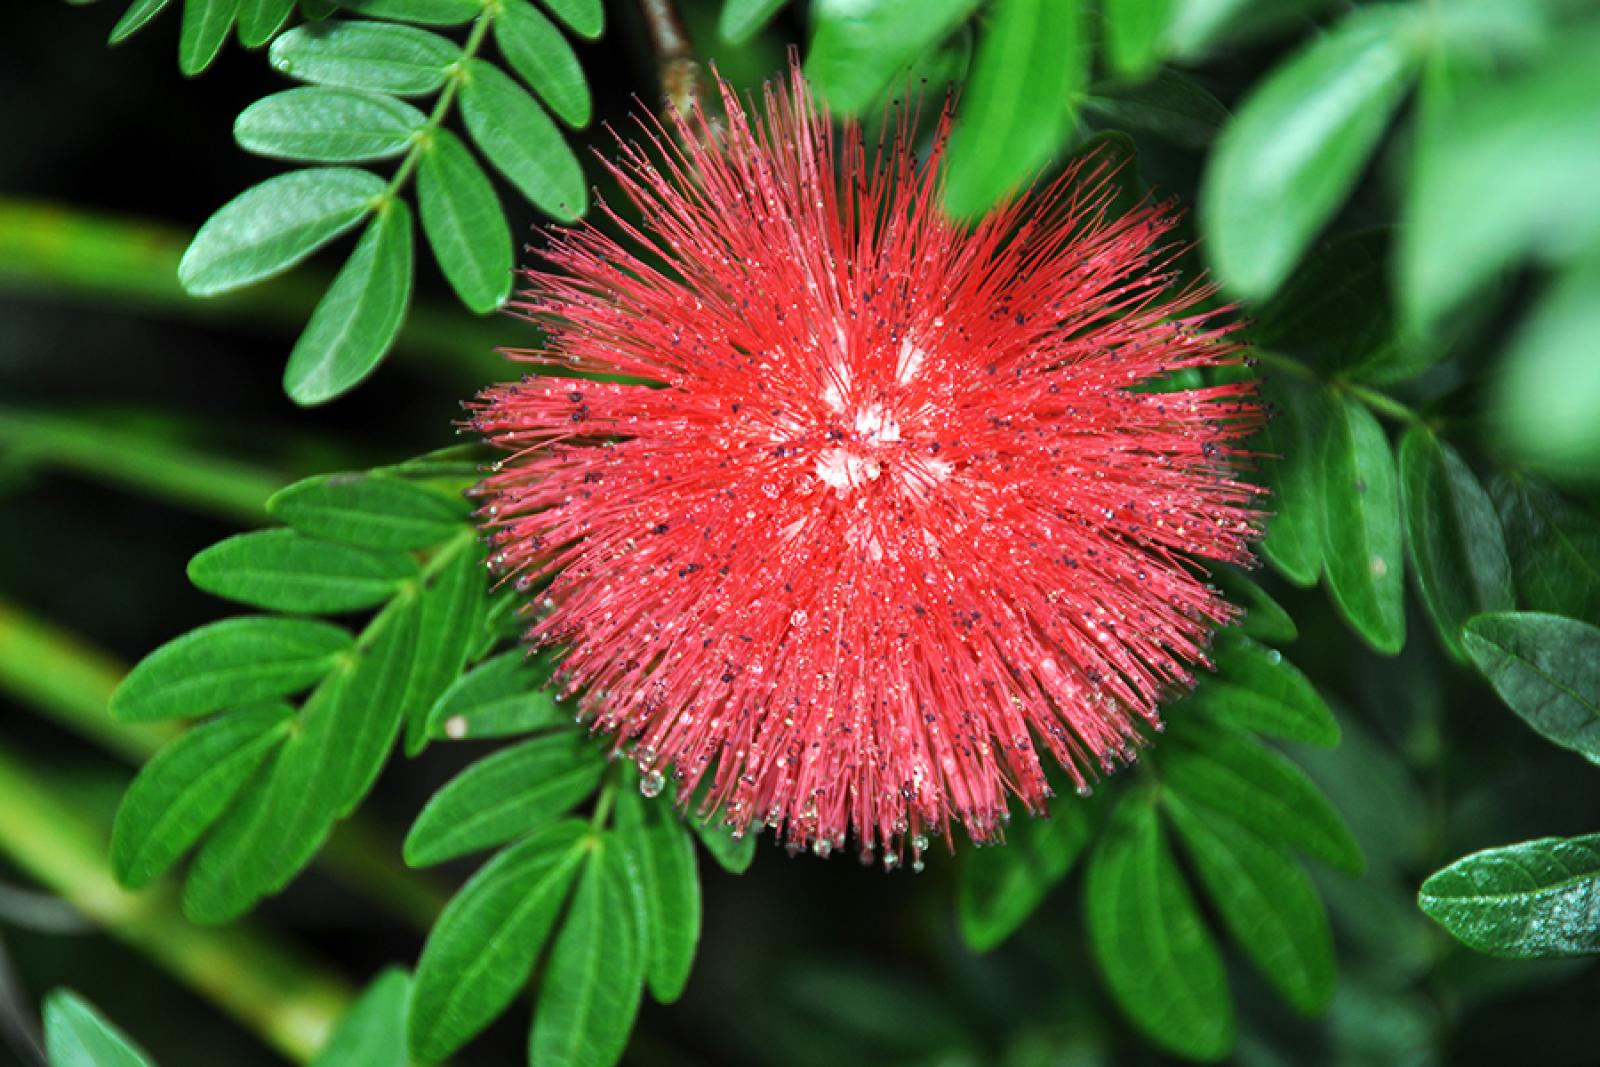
column 280, row 995
column 71, row 683
column 602, row 805
column 1380, row 402
column 441, row 107
column 232, row 491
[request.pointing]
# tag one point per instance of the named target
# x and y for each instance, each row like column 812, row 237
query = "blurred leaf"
column 283, row 570
column 427, row 12
column 1301, row 139
column 1017, row 108
column 203, row 32
column 733, row 854
column 1135, row 34
column 369, row 510
column 464, row 222
column 1169, row 104
column 356, row 321
column 537, row 51
column 1293, row 471
column 1517, row 157
column 376, row 56
column 1201, row 26
column 1264, row 618
column 1547, row 670
column 1158, row 960
column 1557, row 557
column 586, row 18
column 1221, row 769
column 660, row 862
column 1534, row 900
column 1267, row 902
column 1457, row 549
column 1361, row 526
column 373, row 1032
column 590, row 993
column 999, row 888
column 505, row 795
column 186, row 787
column 139, row 12
column 482, row 949
column 1550, row 393
column 76, row 1035
column 323, row 125
column 1256, row 688
column 859, row 46
column 499, row 698
column 521, row 141
column 270, row 227
column 450, row 624
column 1337, row 313
column 742, row 19
column 231, row 663
column 260, row 19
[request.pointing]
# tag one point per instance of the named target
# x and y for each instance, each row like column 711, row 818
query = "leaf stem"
column 286, row 999
column 675, row 60
column 602, row 805
column 447, row 97
column 1380, row 402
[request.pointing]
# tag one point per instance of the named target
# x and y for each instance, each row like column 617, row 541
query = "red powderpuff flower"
column 876, row 523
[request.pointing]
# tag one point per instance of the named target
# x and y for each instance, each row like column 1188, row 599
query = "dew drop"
column 651, row 783
column 455, row 727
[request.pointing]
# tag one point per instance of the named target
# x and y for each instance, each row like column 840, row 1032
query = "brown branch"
column 678, row 68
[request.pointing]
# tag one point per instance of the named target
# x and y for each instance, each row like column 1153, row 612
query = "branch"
column 679, row 70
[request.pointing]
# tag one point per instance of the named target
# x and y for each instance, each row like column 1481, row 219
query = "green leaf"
column 260, row 19
column 1135, row 34
column 372, row 1032
column 1547, row 670
column 464, row 222
column 1337, row 313
column 858, row 48
column 76, row 1035
column 283, row 570
column 427, row 12
column 271, row 227
column 450, row 624
column 1361, row 538
column 327, row 126
column 537, row 51
column 369, row 510
column 1300, row 141
column 521, row 141
column 368, row 711
column 1017, row 109
column 203, row 32
column 1170, row 105
column 1221, row 769
column 356, row 321
column 1557, row 561
column 139, row 12
column 666, row 884
column 999, row 888
column 1549, row 392
column 483, row 946
column 1264, row 618
column 376, row 56
column 1257, row 689
column 1158, row 960
column 186, row 787
column 1534, row 900
column 1453, row 536
column 1294, row 475
column 742, row 19
column 1516, row 157
column 226, row 664
column 590, row 992
column 227, row 874
column 502, row 697
column 586, row 18
column 733, row 854
column 1265, row 900
column 503, row 796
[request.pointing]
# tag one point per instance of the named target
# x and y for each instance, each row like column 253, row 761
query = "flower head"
column 868, row 520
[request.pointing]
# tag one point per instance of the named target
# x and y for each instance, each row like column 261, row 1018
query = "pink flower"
column 875, row 525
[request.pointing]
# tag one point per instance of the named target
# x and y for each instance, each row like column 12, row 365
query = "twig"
column 679, row 71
